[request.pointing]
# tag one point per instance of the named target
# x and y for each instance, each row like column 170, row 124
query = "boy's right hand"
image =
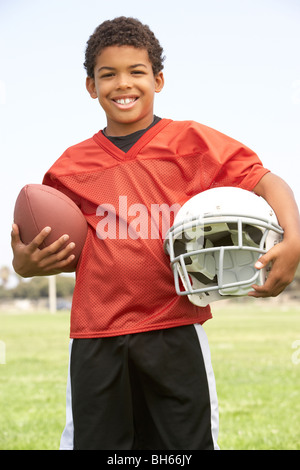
column 31, row 260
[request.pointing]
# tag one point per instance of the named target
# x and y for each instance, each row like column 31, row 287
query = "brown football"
column 38, row 206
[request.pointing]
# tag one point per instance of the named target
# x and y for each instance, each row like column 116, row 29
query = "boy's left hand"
column 284, row 259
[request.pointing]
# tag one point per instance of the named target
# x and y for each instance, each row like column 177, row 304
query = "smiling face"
column 125, row 86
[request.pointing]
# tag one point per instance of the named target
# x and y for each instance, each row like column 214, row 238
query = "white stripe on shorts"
column 211, row 383
column 67, row 438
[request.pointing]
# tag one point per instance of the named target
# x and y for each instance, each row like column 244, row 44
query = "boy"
column 140, row 371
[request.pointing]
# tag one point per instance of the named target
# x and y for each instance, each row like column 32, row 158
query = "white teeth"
column 125, row 100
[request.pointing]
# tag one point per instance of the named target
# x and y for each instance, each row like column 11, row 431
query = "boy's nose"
column 124, row 82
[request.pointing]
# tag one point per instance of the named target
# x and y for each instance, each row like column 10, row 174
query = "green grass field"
column 256, row 368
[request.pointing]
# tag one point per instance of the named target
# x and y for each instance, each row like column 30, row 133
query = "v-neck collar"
column 119, row 154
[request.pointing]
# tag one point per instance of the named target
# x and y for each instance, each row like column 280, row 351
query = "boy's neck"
column 126, row 142
column 121, row 129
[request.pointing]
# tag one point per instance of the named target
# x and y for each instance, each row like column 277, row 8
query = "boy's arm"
column 31, row 260
column 285, row 256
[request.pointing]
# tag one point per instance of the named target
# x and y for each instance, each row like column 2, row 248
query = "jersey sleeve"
column 50, row 179
column 228, row 162
column 223, row 161
column 67, row 164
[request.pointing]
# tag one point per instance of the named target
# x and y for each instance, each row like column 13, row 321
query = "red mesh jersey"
column 124, row 283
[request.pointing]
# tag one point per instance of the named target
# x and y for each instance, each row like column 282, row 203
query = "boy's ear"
column 159, row 82
column 91, row 88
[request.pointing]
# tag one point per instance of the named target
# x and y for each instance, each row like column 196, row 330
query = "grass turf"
column 256, row 368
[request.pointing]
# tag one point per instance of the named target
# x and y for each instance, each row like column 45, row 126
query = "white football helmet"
column 217, row 237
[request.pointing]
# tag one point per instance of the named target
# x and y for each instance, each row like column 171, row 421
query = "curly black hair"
column 123, row 31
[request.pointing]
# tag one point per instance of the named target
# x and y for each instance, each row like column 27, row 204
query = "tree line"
column 38, row 287
column 33, row 288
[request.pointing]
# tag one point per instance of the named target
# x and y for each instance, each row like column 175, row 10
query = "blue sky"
column 230, row 64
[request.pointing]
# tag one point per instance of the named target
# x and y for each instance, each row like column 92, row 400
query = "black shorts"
column 152, row 390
